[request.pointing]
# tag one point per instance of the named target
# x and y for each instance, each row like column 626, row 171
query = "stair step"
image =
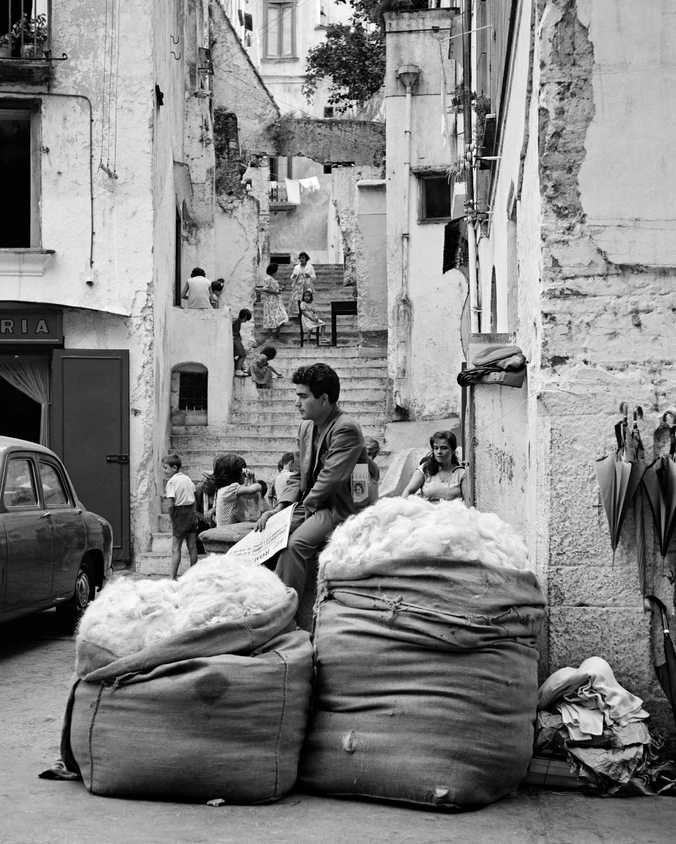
column 160, row 564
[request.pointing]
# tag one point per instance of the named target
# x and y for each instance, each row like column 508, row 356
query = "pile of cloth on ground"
column 191, row 690
column 600, row 728
column 426, row 667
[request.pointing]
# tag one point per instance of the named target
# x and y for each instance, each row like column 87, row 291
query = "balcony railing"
column 25, row 29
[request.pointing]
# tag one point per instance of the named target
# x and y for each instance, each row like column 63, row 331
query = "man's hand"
column 260, row 524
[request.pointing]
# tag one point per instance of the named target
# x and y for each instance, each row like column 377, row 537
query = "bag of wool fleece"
column 425, row 659
column 194, row 690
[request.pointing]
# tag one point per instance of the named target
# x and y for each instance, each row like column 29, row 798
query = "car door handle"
column 117, row 458
column 47, row 515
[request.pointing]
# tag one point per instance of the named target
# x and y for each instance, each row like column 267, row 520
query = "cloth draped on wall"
column 30, row 376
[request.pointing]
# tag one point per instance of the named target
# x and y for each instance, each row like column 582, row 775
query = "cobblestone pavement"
column 36, row 662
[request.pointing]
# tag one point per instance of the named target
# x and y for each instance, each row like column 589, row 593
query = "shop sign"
column 30, row 327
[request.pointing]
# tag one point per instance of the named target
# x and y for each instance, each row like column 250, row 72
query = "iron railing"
column 25, row 29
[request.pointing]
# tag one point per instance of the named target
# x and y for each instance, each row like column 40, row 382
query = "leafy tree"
column 353, row 54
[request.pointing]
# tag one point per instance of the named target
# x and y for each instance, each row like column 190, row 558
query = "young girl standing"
column 260, row 370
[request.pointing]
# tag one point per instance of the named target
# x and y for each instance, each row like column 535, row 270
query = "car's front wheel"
column 70, row 611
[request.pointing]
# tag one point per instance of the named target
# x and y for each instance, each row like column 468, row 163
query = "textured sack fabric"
column 219, row 713
column 426, row 686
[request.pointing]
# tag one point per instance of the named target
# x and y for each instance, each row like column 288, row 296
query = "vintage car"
column 53, row 552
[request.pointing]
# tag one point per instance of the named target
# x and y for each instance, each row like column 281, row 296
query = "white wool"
column 222, row 589
column 396, row 528
column 133, row 613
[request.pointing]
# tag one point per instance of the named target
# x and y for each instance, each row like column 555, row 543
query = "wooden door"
column 90, row 432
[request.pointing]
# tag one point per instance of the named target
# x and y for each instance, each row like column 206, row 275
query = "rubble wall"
column 607, row 305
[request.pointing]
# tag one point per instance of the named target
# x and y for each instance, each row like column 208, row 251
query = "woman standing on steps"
column 274, row 314
column 302, row 279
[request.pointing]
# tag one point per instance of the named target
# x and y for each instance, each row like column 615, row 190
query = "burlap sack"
column 426, row 686
column 217, row 713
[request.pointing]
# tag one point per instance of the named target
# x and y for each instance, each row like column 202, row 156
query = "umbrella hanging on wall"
column 666, row 671
column 619, row 475
column 659, row 482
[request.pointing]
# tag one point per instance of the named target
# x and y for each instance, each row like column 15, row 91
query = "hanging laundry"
column 310, row 184
column 293, row 191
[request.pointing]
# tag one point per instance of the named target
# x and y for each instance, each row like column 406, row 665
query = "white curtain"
column 30, row 376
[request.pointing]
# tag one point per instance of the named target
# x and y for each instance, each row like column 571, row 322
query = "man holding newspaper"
column 329, row 481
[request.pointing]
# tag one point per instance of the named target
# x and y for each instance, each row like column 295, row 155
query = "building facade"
column 119, row 157
column 573, row 218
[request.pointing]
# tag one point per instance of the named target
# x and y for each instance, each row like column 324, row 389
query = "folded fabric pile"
column 586, row 716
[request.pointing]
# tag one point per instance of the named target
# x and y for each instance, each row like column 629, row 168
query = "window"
column 18, row 218
column 435, row 198
column 53, row 486
column 328, row 112
column 192, row 391
column 20, row 488
column 280, row 37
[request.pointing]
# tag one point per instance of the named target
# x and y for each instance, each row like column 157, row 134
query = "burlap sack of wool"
column 190, row 690
column 425, row 632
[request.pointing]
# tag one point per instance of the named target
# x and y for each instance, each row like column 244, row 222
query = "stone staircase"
column 328, row 288
column 263, row 423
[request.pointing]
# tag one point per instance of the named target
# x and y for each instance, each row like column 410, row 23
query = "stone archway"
column 189, row 394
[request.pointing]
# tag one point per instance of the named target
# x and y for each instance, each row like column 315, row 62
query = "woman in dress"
column 274, row 314
column 302, row 279
column 238, row 350
column 440, row 475
column 308, row 316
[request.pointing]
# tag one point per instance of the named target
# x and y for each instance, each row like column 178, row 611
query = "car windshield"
column 20, row 489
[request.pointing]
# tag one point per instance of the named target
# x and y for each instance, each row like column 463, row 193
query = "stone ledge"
column 220, row 540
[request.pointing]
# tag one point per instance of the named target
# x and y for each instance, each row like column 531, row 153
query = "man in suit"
column 330, row 444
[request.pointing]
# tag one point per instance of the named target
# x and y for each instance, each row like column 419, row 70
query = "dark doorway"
column 20, row 415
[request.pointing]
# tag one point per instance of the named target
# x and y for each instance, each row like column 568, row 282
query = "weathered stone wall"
column 330, row 141
column 608, row 300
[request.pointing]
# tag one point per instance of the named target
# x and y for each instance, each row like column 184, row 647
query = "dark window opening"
column 436, row 198
column 15, row 178
column 24, row 420
column 328, row 168
column 192, row 391
column 328, row 112
column 281, row 258
column 274, row 169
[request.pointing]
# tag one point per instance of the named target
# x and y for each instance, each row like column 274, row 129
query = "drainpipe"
column 475, row 293
column 408, row 74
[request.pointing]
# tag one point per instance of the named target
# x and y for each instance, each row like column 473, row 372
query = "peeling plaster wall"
column 432, row 351
column 596, row 302
column 608, row 304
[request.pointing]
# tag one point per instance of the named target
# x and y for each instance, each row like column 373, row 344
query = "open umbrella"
column 666, row 672
column 619, row 478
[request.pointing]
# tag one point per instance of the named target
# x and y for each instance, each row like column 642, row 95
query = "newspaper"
column 259, row 546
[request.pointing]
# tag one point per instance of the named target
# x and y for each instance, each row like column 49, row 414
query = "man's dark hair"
column 196, row 272
column 218, row 285
column 321, row 379
column 272, row 268
column 244, row 315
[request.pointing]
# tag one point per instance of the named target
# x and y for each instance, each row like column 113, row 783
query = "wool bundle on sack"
column 190, row 691
column 426, row 683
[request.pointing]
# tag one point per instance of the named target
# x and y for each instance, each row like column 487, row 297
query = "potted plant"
column 30, row 35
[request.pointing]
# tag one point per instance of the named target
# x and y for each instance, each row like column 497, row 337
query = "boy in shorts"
column 180, row 491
